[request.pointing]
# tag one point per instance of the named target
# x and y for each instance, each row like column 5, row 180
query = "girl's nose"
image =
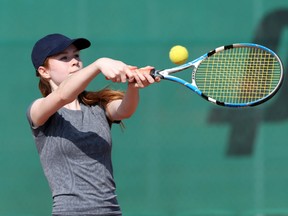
column 74, row 61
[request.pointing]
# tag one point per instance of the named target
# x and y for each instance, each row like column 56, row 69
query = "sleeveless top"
column 75, row 152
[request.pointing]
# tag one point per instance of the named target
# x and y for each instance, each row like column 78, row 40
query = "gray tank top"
column 75, row 152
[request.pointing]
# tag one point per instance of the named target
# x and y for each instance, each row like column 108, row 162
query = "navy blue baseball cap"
column 53, row 44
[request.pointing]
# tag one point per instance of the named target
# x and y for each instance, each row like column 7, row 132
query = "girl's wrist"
column 133, row 85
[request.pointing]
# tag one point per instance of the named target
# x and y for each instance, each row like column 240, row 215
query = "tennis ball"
column 178, row 54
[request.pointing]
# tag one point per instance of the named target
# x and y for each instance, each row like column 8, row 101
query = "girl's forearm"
column 130, row 101
column 125, row 108
column 70, row 88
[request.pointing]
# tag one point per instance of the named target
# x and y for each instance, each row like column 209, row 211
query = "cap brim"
column 80, row 43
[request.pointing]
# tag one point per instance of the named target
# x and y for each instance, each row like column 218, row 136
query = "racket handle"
column 154, row 73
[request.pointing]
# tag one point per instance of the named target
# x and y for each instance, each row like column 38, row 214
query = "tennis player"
column 71, row 126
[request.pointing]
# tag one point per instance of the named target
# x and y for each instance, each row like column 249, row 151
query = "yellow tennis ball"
column 178, row 54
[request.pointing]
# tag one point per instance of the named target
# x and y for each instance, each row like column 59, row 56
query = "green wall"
column 179, row 155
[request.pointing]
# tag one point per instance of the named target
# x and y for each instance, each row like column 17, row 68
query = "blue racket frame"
column 165, row 74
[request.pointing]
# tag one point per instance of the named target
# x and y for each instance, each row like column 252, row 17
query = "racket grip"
column 154, row 73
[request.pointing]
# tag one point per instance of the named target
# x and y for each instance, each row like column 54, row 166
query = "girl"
column 71, row 126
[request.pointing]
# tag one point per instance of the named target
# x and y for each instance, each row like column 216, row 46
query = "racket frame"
column 166, row 74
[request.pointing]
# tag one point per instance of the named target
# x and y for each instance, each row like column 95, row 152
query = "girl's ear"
column 44, row 72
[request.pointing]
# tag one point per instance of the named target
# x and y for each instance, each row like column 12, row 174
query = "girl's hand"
column 115, row 70
column 142, row 77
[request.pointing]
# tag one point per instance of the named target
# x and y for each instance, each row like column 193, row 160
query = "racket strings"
column 238, row 75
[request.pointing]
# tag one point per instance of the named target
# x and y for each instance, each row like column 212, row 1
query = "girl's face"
column 62, row 65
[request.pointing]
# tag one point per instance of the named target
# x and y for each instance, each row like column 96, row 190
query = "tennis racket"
column 237, row 75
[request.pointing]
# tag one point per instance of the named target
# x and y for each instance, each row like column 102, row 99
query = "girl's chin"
column 73, row 72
